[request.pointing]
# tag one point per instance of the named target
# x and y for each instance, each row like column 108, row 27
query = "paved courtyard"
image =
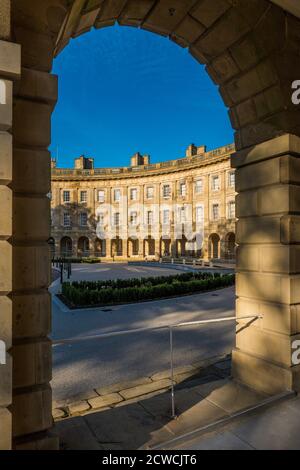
column 103, row 271
column 84, row 366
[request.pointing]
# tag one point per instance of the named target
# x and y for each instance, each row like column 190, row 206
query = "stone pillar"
column 124, row 242
column 157, row 248
column 108, row 248
column 268, row 264
column 10, row 69
column 141, row 247
column 34, row 101
column 74, row 244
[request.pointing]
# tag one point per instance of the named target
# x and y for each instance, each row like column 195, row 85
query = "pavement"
column 273, row 428
column 80, row 367
column 213, row 413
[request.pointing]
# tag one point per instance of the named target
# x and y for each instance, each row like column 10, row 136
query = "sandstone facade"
column 178, row 208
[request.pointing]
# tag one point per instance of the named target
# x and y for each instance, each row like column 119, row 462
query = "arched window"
column 2, row 92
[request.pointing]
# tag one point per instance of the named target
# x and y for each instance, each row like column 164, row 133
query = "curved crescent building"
column 178, row 208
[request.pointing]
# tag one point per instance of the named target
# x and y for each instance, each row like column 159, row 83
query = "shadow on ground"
column 146, row 423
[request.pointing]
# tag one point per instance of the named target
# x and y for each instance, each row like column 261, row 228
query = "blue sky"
column 123, row 90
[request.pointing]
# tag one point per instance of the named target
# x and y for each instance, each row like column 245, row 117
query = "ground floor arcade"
column 214, row 246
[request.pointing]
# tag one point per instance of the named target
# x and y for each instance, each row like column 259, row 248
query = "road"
column 87, row 365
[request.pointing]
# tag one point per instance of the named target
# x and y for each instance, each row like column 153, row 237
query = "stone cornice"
column 158, row 169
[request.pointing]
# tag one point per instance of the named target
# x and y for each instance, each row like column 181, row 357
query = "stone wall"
column 251, row 51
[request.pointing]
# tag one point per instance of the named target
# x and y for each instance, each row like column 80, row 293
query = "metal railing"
column 171, row 329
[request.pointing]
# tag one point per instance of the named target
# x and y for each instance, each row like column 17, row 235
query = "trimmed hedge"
column 102, row 293
column 145, row 281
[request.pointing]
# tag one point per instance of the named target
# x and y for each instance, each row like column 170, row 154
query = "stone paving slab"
column 75, row 434
column 200, row 414
column 106, row 400
column 136, row 390
column 229, row 395
column 58, row 413
column 216, row 441
column 144, row 389
column 177, row 372
column 140, row 398
column 276, row 427
column 78, row 407
column 130, row 427
column 123, row 385
column 147, row 423
column 194, row 381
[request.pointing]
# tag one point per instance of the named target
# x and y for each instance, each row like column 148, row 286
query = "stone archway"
column 116, row 247
column 166, row 244
column 149, row 246
column 214, row 246
column 230, row 246
column 51, row 243
column 181, row 246
column 254, row 66
column 83, row 247
column 99, row 247
column 66, row 246
column 133, row 247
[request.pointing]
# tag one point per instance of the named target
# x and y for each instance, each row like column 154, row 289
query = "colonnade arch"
column 214, row 246
column 254, row 65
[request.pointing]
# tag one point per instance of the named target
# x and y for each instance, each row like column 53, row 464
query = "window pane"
column 166, row 190
column 150, row 192
column 67, row 219
column 182, row 189
column 231, row 210
column 149, row 217
column 117, row 195
column 83, row 219
column 66, row 196
column 133, row 194
column 215, row 211
column 215, row 183
column 83, row 196
column 199, row 214
column 231, row 179
column 101, row 196
column 166, row 217
column 199, row 186
column 117, row 219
